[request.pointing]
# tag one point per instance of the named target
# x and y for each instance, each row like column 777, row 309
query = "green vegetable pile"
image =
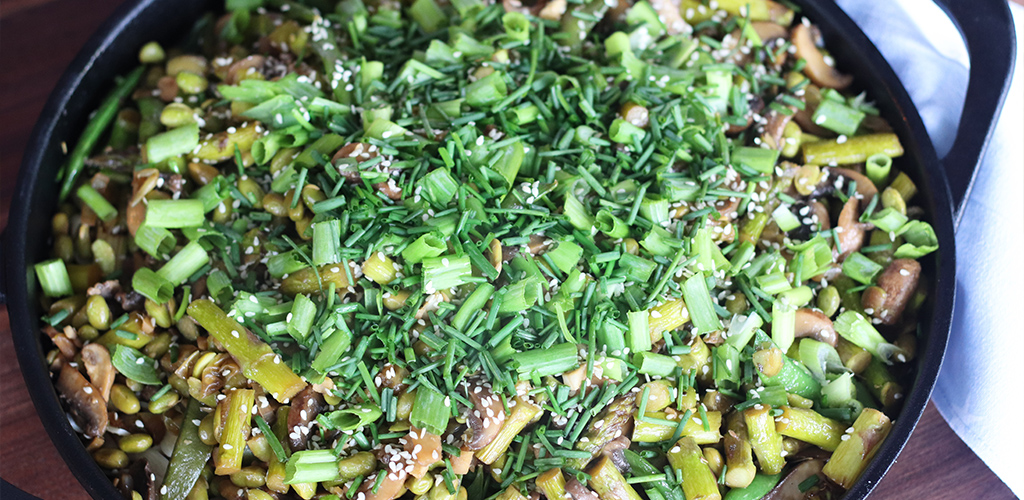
column 472, row 250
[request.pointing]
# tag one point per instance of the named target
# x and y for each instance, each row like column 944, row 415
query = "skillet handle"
column 987, row 30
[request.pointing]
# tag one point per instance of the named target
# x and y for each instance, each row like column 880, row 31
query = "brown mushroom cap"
column 306, row 405
column 96, row 359
column 899, row 280
column 578, row 491
column 866, row 190
column 789, row 487
column 486, row 417
column 851, row 231
column 805, row 39
column 814, row 324
column 87, row 404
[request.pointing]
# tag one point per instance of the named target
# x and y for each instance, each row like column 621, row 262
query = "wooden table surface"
column 40, row 37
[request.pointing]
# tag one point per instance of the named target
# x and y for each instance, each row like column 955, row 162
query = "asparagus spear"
column 853, row 453
column 552, row 484
column 609, row 483
column 764, row 440
column 698, row 480
column 236, row 412
column 739, row 458
column 612, row 424
column 522, row 414
column 809, row 426
column 258, row 361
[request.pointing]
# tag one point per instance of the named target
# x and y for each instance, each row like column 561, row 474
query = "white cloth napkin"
column 979, row 388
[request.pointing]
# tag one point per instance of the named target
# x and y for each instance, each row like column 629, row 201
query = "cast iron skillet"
column 985, row 24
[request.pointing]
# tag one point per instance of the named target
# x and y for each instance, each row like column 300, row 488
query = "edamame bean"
column 152, row 52
column 259, row 495
column 110, row 458
column 360, row 464
column 190, row 63
column 420, row 486
column 135, row 443
column 159, row 346
column 159, row 313
column 311, row 194
column 829, row 300
column 177, row 114
column 191, row 83
column 892, row 198
column 124, row 399
column 249, row 477
column 736, row 303
column 164, row 403
column 103, row 254
column 252, row 191
column 274, row 204
column 87, row 332
column 98, row 311
column 632, row 247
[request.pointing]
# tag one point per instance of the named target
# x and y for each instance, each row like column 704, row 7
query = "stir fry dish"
column 580, row 249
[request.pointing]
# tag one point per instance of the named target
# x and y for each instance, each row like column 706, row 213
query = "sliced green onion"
column 135, row 365
column 175, row 213
column 878, row 167
column 327, row 242
column 439, row 186
column 174, row 142
column 431, row 410
column 698, row 302
column 889, row 220
column 785, row 219
column 442, row 273
column 520, row 295
column 920, row 240
column 861, row 268
column 566, row 255
column 856, row 328
column 428, row 15
column 350, row 419
column 624, row 132
column 155, row 241
column 185, row 263
column 472, row 304
column 152, row 286
column 332, row 348
column 837, row 117
column 311, row 466
column 637, row 269
column 53, row 277
column 577, row 214
column 96, row 202
column 486, row 91
column 539, row 363
column 650, row 363
column 760, row 159
column 638, row 336
column 425, row 246
column 300, row 319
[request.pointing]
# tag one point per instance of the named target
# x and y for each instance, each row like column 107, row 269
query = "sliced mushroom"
column 424, row 448
column 897, row 285
column 614, row 451
column 775, row 128
column 64, row 344
column 578, row 491
column 305, row 408
column 87, row 404
column 106, row 289
column 789, row 488
column 851, row 231
column 390, row 487
column 96, row 359
column 486, row 418
column 866, row 190
column 814, row 324
column 804, row 117
column 805, row 38
column 138, row 478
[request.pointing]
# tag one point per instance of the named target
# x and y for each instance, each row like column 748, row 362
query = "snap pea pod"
column 95, row 128
column 759, row 487
column 189, row 457
column 641, row 467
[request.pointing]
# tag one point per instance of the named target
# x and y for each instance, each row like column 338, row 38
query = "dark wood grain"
column 40, row 37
